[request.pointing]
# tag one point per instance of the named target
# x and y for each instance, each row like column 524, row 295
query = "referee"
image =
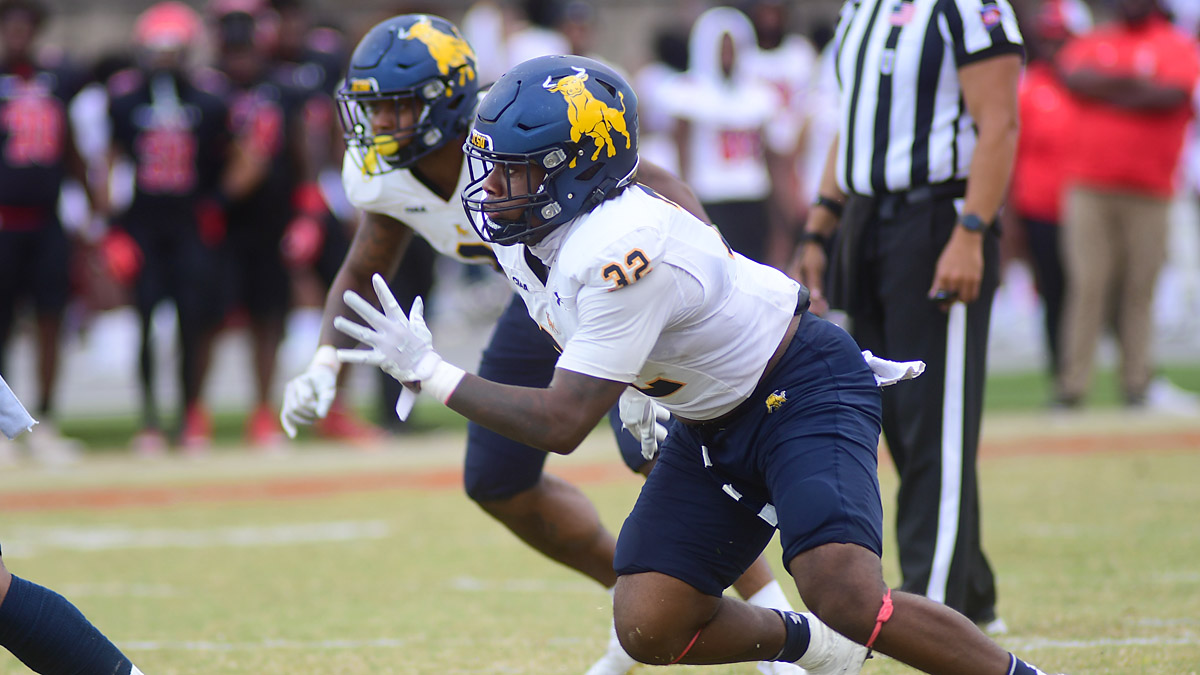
column 912, row 187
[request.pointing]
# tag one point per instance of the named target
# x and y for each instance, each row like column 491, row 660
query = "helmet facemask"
column 537, row 205
column 378, row 153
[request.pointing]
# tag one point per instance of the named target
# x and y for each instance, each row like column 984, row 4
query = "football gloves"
column 309, row 395
column 400, row 345
column 645, row 419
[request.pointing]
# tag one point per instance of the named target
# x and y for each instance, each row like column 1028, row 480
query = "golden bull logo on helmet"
column 448, row 49
column 588, row 115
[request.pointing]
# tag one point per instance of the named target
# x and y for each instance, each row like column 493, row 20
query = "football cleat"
column 262, row 429
column 196, row 434
column 149, row 444
column 780, row 668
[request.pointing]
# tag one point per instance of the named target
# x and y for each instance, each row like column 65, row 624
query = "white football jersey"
column 640, row 291
column 400, row 195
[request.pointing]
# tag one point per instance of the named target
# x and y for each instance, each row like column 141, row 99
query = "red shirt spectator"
column 1044, row 146
column 1122, row 146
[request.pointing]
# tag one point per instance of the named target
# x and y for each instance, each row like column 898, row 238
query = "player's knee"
column 501, row 501
column 651, row 631
column 849, row 607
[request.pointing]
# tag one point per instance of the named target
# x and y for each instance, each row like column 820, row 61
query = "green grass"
column 1016, row 392
column 1007, row 392
column 1095, row 557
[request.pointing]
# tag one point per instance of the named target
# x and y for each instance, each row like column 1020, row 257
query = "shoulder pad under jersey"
column 615, row 247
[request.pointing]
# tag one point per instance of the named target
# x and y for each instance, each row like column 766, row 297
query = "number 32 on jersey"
column 622, row 273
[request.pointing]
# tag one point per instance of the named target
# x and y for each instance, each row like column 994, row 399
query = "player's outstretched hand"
column 309, row 394
column 645, row 419
column 401, row 346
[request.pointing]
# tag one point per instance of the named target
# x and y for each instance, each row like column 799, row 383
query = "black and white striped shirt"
column 903, row 122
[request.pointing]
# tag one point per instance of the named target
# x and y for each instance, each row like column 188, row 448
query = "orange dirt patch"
column 451, row 478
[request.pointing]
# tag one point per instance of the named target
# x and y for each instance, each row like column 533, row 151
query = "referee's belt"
column 888, row 204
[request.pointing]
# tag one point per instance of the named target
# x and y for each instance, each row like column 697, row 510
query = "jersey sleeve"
column 982, row 29
column 625, row 259
column 624, row 298
column 618, row 327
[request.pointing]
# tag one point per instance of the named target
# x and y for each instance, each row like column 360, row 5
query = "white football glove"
column 309, row 394
column 645, row 419
column 401, row 346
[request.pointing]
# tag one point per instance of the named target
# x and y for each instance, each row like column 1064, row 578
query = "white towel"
column 890, row 372
column 14, row 418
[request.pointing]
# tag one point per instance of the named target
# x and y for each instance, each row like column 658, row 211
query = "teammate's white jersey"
column 641, row 291
column 400, row 195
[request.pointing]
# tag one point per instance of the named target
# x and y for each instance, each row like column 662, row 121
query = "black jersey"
column 266, row 118
column 34, row 132
column 174, row 129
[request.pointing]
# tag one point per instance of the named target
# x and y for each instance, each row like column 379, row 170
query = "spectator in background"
column 537, row 33
column 39, row 152
column 170, row 124
column 722, row 111
column 656, row 126
column 280, row 133
column 787, row 61
column 1132, row 82
column 1042, row 150
column 310, row 59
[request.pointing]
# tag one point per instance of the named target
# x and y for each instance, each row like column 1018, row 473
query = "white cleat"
column 829, row 652
column 615, row 661
column 779, row 668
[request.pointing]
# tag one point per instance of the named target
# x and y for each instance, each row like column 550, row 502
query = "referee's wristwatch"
column 973, row 223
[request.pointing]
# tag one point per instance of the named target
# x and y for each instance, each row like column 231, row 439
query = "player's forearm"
column 991, row 166
column 377, row 248
column 524, row 414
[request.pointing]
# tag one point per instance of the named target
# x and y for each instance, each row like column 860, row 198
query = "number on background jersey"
column 35, row 126
column 635, row 267
column 737, row 145
column 166, row 161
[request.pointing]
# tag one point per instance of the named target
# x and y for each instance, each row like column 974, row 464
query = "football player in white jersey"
column 406, row 103
column 777, row 412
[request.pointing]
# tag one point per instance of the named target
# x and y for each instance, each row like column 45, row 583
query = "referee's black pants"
column 888, row 249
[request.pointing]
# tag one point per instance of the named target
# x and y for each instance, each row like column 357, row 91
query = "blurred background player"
column 170, row 124
column 722, row 112
column 37, row 152
column 1039, row 171
column 410, row 91
column 279, row 139
column 786, row 61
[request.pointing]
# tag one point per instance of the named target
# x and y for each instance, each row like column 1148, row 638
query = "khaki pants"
column 1114, row 245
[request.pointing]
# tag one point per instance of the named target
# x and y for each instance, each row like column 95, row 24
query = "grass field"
column 335, row 561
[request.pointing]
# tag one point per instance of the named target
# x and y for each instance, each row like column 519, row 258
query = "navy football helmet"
column 409, row 60
column 571, row 117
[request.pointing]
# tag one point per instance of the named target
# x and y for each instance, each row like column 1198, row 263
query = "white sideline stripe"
column 27, row 542
column 950, row 502
column 279, row 645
